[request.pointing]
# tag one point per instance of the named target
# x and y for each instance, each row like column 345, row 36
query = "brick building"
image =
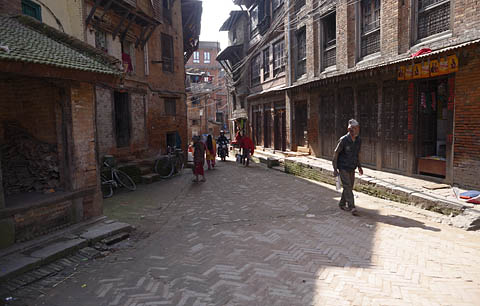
column 206, row 95
column 418, row 110
column 132, row 111
column 49, row 176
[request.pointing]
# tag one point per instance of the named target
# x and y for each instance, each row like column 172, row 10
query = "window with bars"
column 301, row 37
column 433, row 17
column 196, row 57
column 32, row 9
column 370, row 27
column 329, row 24
column 266, row 64
column 170, row 107
column 206, row 57
column 219, row 117
column 278, row 57
column 167, row 52
column 299, row 4
column 255, row 70
column 254, row 20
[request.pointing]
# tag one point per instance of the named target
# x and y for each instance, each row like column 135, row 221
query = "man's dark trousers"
column 348, row 179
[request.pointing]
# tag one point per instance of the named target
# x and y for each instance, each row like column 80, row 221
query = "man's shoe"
column 343, row 207
column 354, row 212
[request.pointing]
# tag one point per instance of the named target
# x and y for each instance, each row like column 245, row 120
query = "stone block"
column 7, row 228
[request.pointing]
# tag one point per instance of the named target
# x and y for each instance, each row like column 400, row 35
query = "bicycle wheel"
column 179, row 163
column 164, row 167
column 107, row 189
column 124, row 180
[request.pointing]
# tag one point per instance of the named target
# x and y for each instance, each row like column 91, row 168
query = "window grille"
column 433, row 17
column 329, row 40
column 206, row 57
column 266, row 64
column 301, row 52
column 170, row 107
column 255, row 69
column 370, row 26
column 196, row 57
column 167, row 52
column 278, row 57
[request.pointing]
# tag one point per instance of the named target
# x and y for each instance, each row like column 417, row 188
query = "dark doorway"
column 301, row 124
column 122, row 119
column 327, row 124
column 368, row 117
column 267, row 120
column 171, row 139
column 432, row 100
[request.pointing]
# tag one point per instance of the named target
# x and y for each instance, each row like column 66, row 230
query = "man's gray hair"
column 352, row 123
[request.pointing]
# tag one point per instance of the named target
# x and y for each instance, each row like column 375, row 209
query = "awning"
column 231, row 53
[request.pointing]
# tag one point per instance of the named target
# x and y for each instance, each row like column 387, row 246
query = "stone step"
column 145, row 170
column 149, row 178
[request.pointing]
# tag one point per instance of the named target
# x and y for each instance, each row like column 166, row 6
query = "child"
column 198, row 158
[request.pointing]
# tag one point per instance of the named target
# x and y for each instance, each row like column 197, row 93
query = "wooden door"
column 394, row 127
column 345, row 111
column 368, row 116
column 326, row 124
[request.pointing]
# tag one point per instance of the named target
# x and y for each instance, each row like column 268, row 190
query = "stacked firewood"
column 28, row 164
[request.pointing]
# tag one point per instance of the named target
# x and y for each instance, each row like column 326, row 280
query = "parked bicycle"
column 117, row 179
column 171, row 164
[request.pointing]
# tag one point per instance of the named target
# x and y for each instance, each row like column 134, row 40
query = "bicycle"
column 171, row 164
column 117, row 178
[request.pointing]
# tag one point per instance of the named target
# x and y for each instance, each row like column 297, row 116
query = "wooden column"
column 379, row 140
column 411, row 126
column 289, row 110
column 272, row 125
column 2, row 197
column 449, row 144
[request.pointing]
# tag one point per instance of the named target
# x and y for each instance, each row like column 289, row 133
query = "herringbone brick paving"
column 249, row 236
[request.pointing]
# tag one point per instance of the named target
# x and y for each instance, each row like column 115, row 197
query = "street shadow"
column 395, row 220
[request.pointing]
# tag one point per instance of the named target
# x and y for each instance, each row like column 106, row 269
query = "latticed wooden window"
column 370, row 25
column 255, row 69
column 433, row 17
column 278, row 57
column 167, row 52
column 329, row 40
column 301, row 52
column 266, row 64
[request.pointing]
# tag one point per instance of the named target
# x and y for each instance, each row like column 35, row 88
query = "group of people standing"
column 205, row 149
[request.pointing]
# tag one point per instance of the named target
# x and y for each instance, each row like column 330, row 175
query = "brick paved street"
column 252, row 236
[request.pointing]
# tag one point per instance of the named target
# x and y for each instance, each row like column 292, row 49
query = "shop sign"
column 452, row 63
column 425, row 69
column 428, row 68
column 434, row 68
column 408, row 72
column 443, row 66
column 417, row 71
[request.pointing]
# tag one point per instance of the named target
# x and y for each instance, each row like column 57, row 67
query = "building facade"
column 404, row 69
column 104, row 78
column 207, row 111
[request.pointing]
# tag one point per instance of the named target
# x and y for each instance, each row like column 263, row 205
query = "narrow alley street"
column 252, row 236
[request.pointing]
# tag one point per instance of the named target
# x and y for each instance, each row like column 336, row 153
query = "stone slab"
column 103, row 230
column 16, row 264
column 58, row 249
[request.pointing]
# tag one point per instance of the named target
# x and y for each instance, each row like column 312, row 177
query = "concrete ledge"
column 25, row 259
column 465, row 217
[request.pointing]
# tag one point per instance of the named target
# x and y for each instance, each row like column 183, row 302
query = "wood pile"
column 28, row 164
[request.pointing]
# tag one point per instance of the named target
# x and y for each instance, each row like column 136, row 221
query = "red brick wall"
column 31, row 103
column 12, row 7
column 466, row 163
column 41, row 220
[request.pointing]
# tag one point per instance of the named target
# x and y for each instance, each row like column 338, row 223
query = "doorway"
column 432, row 99
column 122, row 119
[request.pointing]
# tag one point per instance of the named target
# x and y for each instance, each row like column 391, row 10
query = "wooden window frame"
column 169, row 110
column 278, row 53
column 167, row 62
column 327, row 47
column 415, row 19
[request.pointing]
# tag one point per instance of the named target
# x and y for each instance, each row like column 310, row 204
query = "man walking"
column 345, row 160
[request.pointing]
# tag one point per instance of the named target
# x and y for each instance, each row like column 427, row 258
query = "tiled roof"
column 23, row 39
